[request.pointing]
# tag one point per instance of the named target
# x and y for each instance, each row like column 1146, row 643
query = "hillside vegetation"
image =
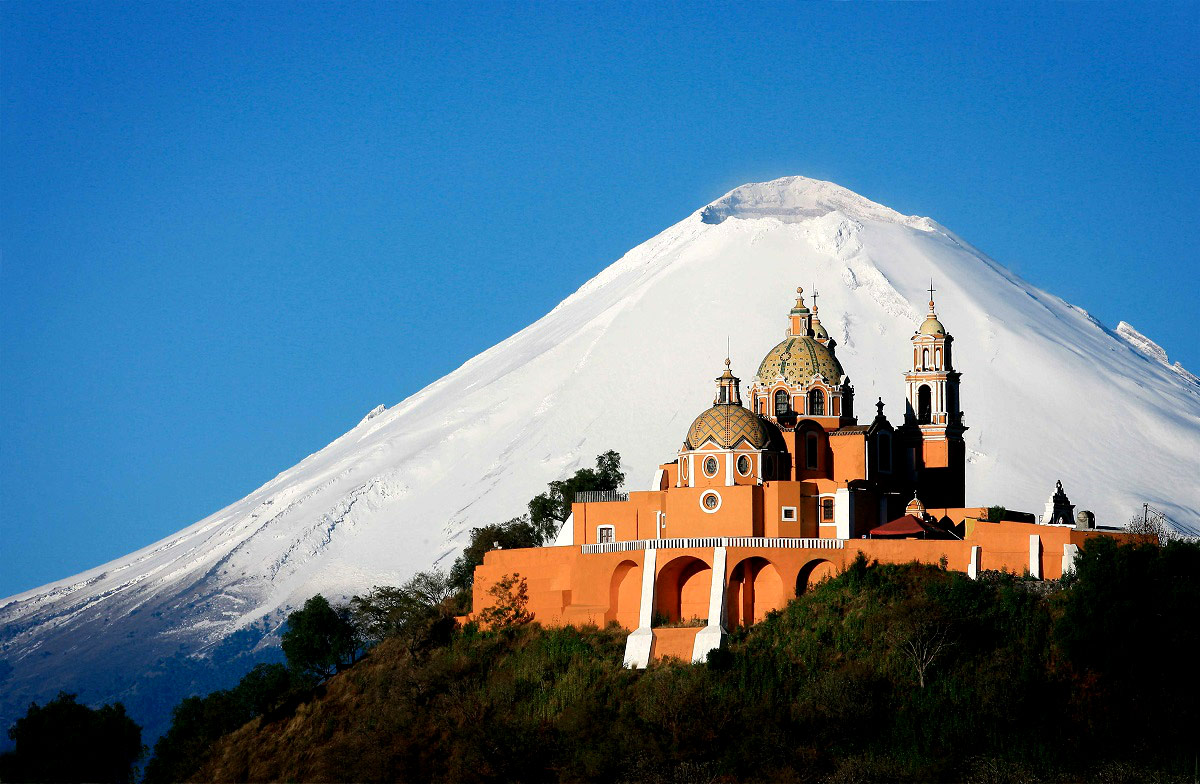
column 1087, row 680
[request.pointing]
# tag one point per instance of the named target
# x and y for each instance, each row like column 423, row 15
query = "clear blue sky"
column 229, row 230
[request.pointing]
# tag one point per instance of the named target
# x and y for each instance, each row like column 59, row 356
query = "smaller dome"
column 727, row 424
column 819, row 331
column 931, row 326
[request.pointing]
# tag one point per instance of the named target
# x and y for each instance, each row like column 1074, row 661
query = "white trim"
column 704, row 466
column 729, row 470
column 691, row 470
column 783, row 514
column 704, row 495
column 600, row 528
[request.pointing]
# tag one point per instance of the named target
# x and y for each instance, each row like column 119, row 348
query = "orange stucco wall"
column 567, row 586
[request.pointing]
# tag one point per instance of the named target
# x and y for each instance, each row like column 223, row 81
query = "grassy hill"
column 1087, row 680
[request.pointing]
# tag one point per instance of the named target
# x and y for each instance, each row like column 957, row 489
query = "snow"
column 625, row 363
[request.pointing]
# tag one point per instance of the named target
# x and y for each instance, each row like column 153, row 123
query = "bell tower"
column 933, row 419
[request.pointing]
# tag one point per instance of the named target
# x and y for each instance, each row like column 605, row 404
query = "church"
column 775, row 490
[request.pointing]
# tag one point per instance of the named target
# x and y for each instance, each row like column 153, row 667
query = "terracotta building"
column 769, row 495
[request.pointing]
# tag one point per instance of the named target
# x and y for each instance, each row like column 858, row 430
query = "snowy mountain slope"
column 625, row 363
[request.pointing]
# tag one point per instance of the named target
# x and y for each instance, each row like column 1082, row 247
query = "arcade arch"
column 813, row 572
column 755, row 589
column 682, row 590
column 624, row 595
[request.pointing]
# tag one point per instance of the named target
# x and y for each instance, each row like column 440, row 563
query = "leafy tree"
column 64, row 741
column 515, row 533
column 419, row 612
column 511, row 594
column 549, row 510
column 320, row 640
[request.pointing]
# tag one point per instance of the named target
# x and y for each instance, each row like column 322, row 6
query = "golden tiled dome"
column 797, row 359
column 726, row 425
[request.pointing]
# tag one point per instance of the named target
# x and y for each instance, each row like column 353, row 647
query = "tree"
column 922, row 635
column 549, row 510
column 515, row 533
column 418, row 612
column 64, row 741
column 511, row 594
column 320, row 640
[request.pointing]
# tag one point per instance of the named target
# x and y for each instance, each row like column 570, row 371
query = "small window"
column 710, row 501
column 782, row 405
column 816, row 403
column 827, row 510
column 605, row 534
column 710, row 466
column 924, row 359
column 788, row 514
column 743, row 465
column 811, row 447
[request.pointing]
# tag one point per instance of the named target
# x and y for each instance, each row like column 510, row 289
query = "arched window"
column 937, row 358
column 758, row 401
column 816, row 403
column 782, row 406
column 924, row 405
column 924, row 359
column 811, row 446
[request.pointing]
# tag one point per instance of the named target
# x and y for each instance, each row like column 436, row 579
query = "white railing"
column 715, row 541
column 599, row 496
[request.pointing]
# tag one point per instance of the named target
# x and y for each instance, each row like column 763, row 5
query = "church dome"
column 798, row 359
column 727, row 424
column 931, row 326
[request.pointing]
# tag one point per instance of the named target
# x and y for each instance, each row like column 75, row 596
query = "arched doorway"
column 755, row 589
column 624, row 595
column 814, row 572
column 682, row 591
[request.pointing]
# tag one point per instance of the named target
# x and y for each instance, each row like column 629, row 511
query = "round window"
column 710, row 466
column 743, row 465
column 710, row 501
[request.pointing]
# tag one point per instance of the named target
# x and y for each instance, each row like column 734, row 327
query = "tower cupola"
column 801, row 317
column 728, row 388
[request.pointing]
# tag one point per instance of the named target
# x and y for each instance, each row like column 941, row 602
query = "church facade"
column 775, row 490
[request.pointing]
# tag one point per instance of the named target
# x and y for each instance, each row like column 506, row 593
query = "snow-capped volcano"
column 625, row 363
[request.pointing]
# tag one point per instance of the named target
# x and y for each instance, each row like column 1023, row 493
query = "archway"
column 682, row 590
column 924, row 405
column 755, row 589
column 814, row 572
column 624, row 595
